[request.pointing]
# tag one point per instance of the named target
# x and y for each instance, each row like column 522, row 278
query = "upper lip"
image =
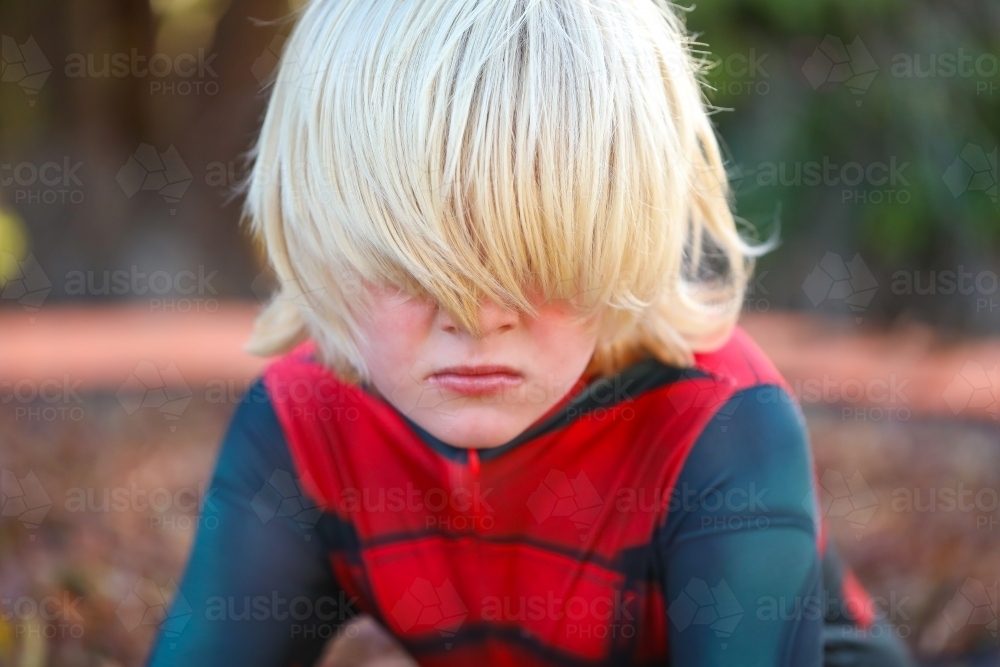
column 486, row 369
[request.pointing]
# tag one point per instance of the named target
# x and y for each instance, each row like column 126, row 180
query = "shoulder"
column 740, row 363
column 720, row 380
column 305, row 393
column 757, row 423
column 291, row 374
column 755, row 439
column 253, row 442
column 256, row 474
column 761, row 405
column 317, row 412
column 259, row 453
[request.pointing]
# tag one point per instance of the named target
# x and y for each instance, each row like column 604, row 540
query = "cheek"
column 562, row 336
column 396, row 331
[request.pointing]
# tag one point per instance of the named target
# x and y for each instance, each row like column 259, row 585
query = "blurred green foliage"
column 900, row 97
column 935, row 92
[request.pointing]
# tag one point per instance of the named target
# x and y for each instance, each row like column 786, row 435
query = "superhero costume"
column 659, row 516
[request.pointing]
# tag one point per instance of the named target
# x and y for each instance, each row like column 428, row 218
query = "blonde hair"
column 471, row 148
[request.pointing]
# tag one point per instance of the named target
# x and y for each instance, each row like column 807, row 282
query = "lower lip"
column 490, row 383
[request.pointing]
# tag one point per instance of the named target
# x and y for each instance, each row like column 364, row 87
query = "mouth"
column 476, row 380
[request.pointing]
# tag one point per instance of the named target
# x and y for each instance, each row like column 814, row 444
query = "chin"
column 476, row 431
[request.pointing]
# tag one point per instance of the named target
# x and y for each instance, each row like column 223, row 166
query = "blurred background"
column 865, row 133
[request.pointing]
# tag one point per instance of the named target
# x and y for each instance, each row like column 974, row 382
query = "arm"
column 742, row 575
column 258, row 586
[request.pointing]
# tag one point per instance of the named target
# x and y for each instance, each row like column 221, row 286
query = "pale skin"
column 408, row 338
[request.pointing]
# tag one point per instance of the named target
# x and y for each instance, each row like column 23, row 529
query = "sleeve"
column 739, row 555
column 258, row 588
column 847, row 640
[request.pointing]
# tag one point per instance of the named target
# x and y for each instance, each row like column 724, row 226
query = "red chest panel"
column 540, row 541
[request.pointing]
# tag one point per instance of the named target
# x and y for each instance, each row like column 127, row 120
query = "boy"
column 517, row 424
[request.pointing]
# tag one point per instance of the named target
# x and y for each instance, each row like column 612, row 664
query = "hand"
column 365, row 643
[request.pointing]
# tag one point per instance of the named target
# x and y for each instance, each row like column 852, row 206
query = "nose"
column 493, row 319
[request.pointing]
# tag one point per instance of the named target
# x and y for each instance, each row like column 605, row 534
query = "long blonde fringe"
column 469, row 148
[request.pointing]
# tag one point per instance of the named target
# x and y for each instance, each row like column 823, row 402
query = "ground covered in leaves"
column 101, row 507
